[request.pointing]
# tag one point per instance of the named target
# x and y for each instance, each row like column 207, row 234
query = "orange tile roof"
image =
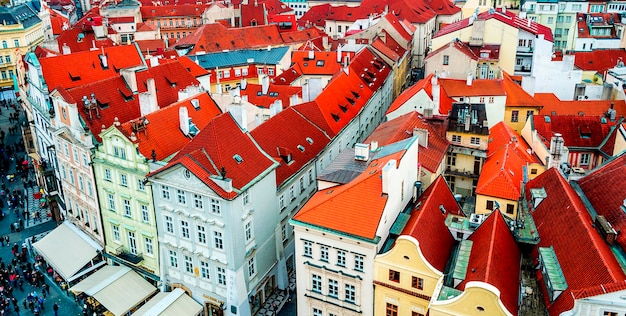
column 151, row 47
column 313, row 113
column 571, row 128
column 215, row 37
column 501, row 135
column 424, row 84
column 80, row 68
column 288, row 76
column 152, row 138
column 599, row 60
column 495, row 259
column 600, row 289
column 515, row 95
column 586, row 260
column 390, row 49
column 427, row 223
column 301, row 36
column 168, row 79
column 192, row 67
column 275, row 92
column 324, row 63
column 401, row 28
column 354, row 208
column 479, row 87
column 289, row 132
column 552, row 105
column 215, row 147
column 177, row 10
column 400, row 128
column 587, row 21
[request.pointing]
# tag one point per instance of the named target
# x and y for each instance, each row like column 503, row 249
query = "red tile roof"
column 508, row 17
column 168, row 79
column 577, row 131
column 586, row 21
column 80, row 37
column 315, row 16
column 58, row 22
column 515, row 95
column 80, row 68
column 388, row 49
column 288, row 76
column 479, row 87
column 501, row 135
column 151, row 47
column 495, row 259
column 120, row 19
column 599, row 60
column 313, row 113
column 427, row 223
column 586, row 260
column 402, row 127
column 552, row 105
column 424, row 84
column 178, row 10
column 416, row 12
column 600, row 289
column 275, row 92
column 608, row 200
column 285, row 133
column 335, row 208
column 214, row 148
column 405, row 30
column 216, row 37
column 301, row 36
column 152, row 138
column 191, row 66
column 324, row 63
column 443, row 7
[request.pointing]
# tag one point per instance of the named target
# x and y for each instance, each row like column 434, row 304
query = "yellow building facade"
column 516, row 116
column 17, row 37
column 404, row 281
column 478, row 298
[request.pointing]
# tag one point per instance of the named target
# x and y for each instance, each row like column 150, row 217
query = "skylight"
column 309, row 140
column 319, row 63
column 238, row 158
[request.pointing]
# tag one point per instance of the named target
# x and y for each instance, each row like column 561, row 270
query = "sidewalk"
column 275, row 303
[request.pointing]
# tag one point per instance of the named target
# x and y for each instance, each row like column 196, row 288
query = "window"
column 308, row 249
column 111, row 202
column 89, row 188
column 145, row 216
column 333, row 288
column 491, row 99
column 391, row 310
column 358, row 263
column 475, row 141
column 201, row 234
column 215, row 206
column 490, row 205
column 132, row 243
column 317, row 312
column 204, row 270
column 184, row 229
column 451, row 160
column 446, row 59
column 456, row 138
column 316, row 281
column 218, row 242
column 7, row 59
column 148, row 245
column 292, row 193
column 417, row 283
column 81, row 184
column 107, row 175
column 180, row 194
column 16, row 42
column 165, row 192
column 127, row 211
column 310, row 176
column 270, row 71
column 173, row 259
column 4, row 44
column 324, row 253
column 394, row 276
column 119, row 152
column 71, row 176
column 283, row 232
column 584, row 159
column 510, row 208
column 248, row 231
column 123, row 180
column 140, row 185
column 188, row 264
column 237, row 72
column 341, row 258
column 197, row 201
column 116, row 232
column 251, row 267
column 350, row 293
column 550, row 20
column 244, row 71
column 169, row 224
column 281, row 201
column 302, row 187
column 221, row 276
column 514, row 116
column 607, row 313
column 529, row 114
column 568, row 19
column 246, row 198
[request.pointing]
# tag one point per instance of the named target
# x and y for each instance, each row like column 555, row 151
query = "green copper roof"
column 553, row 270
column 462, row 259
column 399, row 224
column 447, row 293
column 457, row 222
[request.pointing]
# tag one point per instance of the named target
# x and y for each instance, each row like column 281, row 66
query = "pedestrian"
column 55, row 307
column 2, row 240
column 17, row 309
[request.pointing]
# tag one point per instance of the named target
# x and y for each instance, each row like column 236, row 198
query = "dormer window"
column 300, row 148
column 309, row 140
column 319, row 63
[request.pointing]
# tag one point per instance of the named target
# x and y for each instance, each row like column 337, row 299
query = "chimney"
column 388, row 176
column 325, row 44
column 436, row 91
column 470, row 77
column 104, row 61
column 361, row 152
column 183, row 119
column 130, row 77
column 265, row 84
column 556, row 150
column 311, row 55
column 611, row 113
column 528, row 23
column 346, row 64
column 374, row 146
column 504, row 9
column 148, row 100
column 239, row 113
column 276, row 107
column 422, row 136
column 293, row 100
column 66, row 49
column 339, row 54
column 244, row 83
column 154, row 61
column 305, row 91
column 218, row 88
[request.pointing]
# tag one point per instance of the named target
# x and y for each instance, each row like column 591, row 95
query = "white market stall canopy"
column 67, row 249
column 175, row 303
column 117, row 288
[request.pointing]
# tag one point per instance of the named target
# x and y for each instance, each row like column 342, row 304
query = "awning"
column 117, row 288
column 175, row 303
column 67, row 249
column 35, row 157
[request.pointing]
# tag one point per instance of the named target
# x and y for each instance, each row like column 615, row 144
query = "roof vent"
column 361, row 152
column 195, row 103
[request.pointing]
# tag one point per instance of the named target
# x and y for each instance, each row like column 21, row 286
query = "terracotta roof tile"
column 275, row 92
column 552, row 105
column 215, row 37
column 215, row 147
column 577, row 131
column 151, row 47
column 479, row 87
column 495, row 259
column 292, row 131
column 586, row 21
column 585, row 260
column 427, row 224
column 313, row 113
column 600, row 289
column 424, row 84
column 599, row 60
column 178, row 10
column 302, row 36
column 288, row 76
column 168, row 79
column 336, row 208
column 416, row 12
column 515, row 95
column 402, row 127
column 152, row 137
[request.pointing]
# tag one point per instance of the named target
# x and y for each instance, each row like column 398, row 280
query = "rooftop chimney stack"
column 183, row 119
column 265, row 84
column 469, row 80
column 66, row 49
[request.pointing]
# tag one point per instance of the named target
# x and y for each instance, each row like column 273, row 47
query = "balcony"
column 125, row 255
column 461, row 173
